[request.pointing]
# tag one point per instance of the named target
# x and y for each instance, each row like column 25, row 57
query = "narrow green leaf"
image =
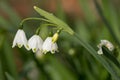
column 110, row 56
column 93, row 52
column 10, row 59
column 54, row 20
column 1, row 70
column 59, row 71
column 108, row 26
column 9, row 77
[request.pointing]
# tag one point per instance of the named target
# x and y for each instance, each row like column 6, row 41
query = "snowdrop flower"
column 20, row 39
column 35, row 43
column 49, row 46
column 107, row 44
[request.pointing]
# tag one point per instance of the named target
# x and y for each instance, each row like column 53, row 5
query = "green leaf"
column 110, row 56
column 106, row 22
column 100, row 58
column 1, row 70
column 58, row 71
column 10, row 60
column 9, row 77
column 54, row 20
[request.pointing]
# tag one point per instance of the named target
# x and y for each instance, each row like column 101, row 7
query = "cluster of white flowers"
column 36, row 43
column 105, row 43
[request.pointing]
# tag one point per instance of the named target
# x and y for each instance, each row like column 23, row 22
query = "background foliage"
column 91, row 20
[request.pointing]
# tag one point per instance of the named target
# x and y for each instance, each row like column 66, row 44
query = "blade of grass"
column 1, row 70
column 61, row 71
column 112, row 15
column 93, row 52
column 109, row 27
column 9, row 77
column 109, row 55
column 10, row 59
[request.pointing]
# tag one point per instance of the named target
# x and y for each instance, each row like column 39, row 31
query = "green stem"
column 33, row 18
column 49, row 24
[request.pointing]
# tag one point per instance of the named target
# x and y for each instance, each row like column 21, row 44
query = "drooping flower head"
column 105, row 43
column 20, row 39
column 35, row 43
column 49, row 46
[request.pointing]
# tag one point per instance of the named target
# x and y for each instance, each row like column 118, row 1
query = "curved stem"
column 34, row 18
column 49, row 24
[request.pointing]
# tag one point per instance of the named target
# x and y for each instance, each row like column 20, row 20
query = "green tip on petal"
column 45, row 51
column 53, row 51
column 27, row 47
column 19, row 45
column 34, row 7
column 34, row 50
column 55, row 37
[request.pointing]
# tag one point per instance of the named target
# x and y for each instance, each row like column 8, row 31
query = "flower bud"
column 55, row 37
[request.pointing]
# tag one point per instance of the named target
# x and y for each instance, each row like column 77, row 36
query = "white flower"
column 107, row 44
column 35, row 43
column 20, row 39
column 39, row 54
column 49, row 46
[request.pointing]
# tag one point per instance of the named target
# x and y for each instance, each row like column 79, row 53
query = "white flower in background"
column 49, row 46
column 20, row 39
column 39, row 54
column 107, row 44
column 35, row 43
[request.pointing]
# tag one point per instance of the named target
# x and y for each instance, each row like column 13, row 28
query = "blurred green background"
column 73, row 62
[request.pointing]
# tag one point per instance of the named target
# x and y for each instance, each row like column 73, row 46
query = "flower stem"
column 41, row 67
column 33, row 18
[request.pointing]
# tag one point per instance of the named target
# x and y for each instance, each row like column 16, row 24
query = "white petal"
column 40, row 43
column 108, row 44
column 15, row 41
column 24, row 39
column 54, row 48
column 35, row 42
column 48, row 45
column 20, row 38
column 105, row 43
column 100, row 51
